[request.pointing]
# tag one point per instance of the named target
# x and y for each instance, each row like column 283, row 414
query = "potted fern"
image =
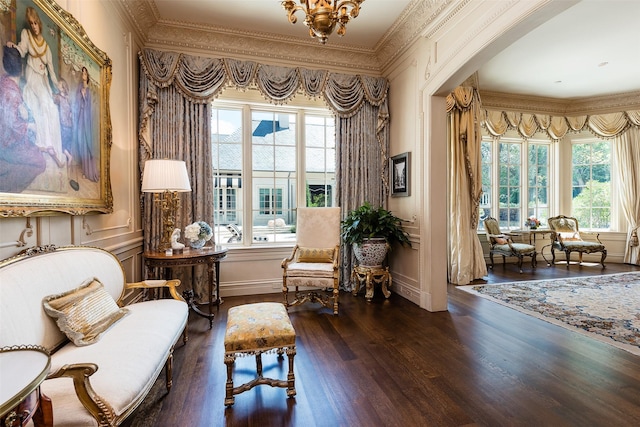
column 371, row 231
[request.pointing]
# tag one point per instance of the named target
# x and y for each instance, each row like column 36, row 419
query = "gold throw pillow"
column 315, row 255
column 84, row 313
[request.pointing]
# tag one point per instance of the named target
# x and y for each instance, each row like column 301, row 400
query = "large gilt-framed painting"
column 55, row 125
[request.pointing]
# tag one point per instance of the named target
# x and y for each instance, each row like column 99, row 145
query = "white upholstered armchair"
column 314, row 262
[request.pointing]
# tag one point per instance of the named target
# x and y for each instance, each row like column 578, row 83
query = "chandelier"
column 323, row 15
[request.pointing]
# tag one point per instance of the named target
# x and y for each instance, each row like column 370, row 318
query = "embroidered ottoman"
column 253, row 329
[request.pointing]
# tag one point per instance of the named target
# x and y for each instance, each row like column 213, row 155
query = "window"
column 510, row 167
column 538, row 183
column 226, row 205
column 591, row 184
column 320, row 160
column 274, row 141
column 226, row 137
column 505, row 164
column 487, row 182
column 270, row 201
column 268, row 160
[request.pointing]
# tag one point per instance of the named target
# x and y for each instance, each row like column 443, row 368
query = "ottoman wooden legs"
column 289, row 383
column 254, row 329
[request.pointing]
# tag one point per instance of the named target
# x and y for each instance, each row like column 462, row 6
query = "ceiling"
column 268, row 16
column 589, row 50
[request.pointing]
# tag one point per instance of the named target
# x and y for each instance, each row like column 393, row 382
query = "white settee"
column 113, row 375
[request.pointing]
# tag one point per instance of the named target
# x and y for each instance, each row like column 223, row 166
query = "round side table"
column 22, row 369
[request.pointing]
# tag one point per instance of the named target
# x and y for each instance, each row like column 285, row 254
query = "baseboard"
column 406, row 290
column 258, row 287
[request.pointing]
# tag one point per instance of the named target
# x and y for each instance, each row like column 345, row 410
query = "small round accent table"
column 22, row 369
column 371, row 276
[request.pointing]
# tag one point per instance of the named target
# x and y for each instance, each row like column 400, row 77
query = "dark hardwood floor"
column 390, row 363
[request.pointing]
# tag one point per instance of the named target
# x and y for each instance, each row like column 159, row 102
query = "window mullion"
column 495, row 178
column 301, row 166
column 247, row 168
column 524, row 181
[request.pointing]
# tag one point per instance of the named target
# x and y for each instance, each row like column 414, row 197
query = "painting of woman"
column 38, row 96
column 85, row 144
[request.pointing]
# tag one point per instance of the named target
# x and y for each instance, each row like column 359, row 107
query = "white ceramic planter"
column 371, row 252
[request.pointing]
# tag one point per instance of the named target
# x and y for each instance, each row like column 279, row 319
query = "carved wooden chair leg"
column 291, row 382
column 259, row 364
column 285, row 291
column 169, row 370
column 229, row 399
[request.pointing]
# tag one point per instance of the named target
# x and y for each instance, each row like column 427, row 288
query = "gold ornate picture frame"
column 55, row 123
column 400, row 174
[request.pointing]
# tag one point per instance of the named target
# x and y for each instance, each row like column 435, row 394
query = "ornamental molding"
column 469, row 34
column 141, row 15
column 152, row 31
column 419, row 15
column 560, row 107
column 269, row 48
column 444, row 18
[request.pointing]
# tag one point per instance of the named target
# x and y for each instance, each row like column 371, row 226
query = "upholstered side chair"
column 566, row 237
column 314, row 263
column 502, row 244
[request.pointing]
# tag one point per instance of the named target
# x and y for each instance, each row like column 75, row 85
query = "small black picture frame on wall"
column 400, row 174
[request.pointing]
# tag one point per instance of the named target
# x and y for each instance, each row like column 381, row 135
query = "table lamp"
column 166, row 178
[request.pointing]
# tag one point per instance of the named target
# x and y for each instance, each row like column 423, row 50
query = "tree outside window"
column 512, row 168
column 591, row 184
column 538, row 181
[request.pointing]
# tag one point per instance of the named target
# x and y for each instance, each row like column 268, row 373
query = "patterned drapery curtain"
column 175, row 95
column 466, row 259
column 627, row 149
column 623, row 127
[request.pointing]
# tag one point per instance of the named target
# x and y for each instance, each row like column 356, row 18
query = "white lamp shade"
column 162, row 175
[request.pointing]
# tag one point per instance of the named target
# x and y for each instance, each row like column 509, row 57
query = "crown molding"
column 560, row 107
column 144, row 19
column 272, row 49
column 140, row 15
column 408, row 27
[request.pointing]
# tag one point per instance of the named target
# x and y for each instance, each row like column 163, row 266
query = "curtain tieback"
column 634, row 238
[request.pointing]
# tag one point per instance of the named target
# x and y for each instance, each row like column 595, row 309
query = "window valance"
column 202, row 79
column 556, row 127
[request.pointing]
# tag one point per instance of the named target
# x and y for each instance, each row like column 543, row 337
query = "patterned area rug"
column 604, row 307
